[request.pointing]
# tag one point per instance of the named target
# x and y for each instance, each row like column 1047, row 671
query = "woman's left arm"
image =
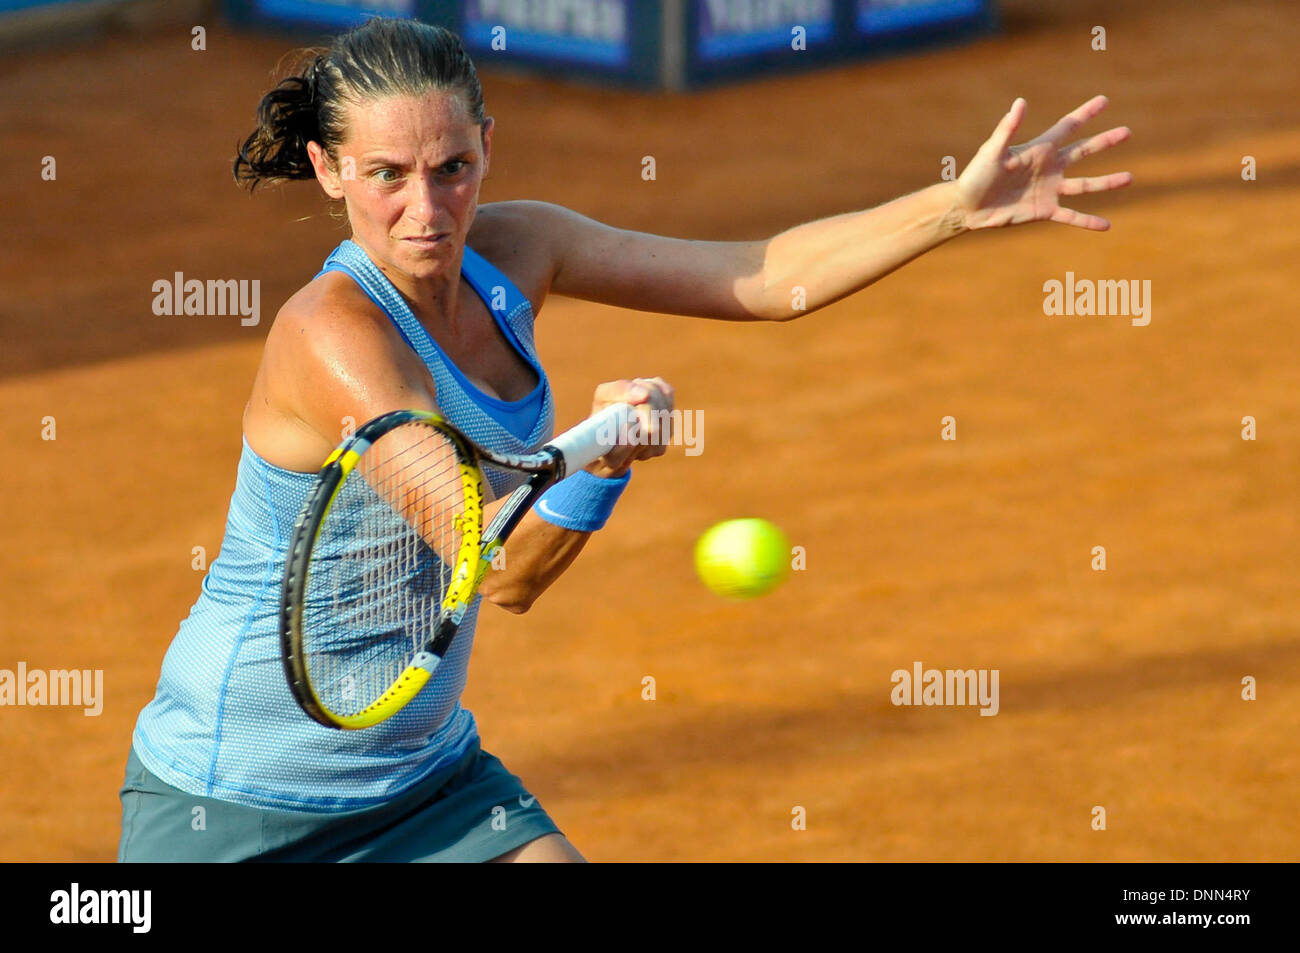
column 833, row 257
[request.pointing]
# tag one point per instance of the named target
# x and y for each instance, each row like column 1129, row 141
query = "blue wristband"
column 581, row 501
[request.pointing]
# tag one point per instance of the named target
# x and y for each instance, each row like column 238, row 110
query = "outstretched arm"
column 833, row 257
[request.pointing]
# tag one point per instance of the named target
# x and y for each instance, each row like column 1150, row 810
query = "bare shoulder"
column 519, row 237
column 325, row 307
column 326, row 325
column 593, row 261
column 331, row 355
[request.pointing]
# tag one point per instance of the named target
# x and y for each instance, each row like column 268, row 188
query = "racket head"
column 383, row 562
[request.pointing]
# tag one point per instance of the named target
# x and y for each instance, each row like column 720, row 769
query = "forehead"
column 411, row 123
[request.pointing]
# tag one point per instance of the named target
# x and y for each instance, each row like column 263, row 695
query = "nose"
column 424, row 204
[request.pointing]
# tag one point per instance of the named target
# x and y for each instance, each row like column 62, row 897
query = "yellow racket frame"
column 469, row 570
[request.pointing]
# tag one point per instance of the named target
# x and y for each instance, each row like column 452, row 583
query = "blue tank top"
column 223, row 723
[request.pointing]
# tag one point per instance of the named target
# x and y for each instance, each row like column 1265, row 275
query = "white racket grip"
column 595, row 436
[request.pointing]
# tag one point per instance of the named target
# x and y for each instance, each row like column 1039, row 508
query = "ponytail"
column 286, row 121
column 382, row 57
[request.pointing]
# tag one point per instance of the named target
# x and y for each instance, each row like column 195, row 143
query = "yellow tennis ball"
column 742, row 558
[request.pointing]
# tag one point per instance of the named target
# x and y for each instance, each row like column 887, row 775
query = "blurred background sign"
column 673, row 44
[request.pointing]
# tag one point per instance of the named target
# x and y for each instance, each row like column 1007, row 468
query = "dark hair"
column 382, row 57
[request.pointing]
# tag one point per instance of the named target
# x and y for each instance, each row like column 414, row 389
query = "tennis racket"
column 390, row 549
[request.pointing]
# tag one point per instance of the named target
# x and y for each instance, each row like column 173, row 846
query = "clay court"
column 1120, row 688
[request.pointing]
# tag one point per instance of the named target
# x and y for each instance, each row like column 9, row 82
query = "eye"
column 381, row 173
column 458, row 163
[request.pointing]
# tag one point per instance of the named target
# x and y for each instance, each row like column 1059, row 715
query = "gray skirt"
column 471, row 811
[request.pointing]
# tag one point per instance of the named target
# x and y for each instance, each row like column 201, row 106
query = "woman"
column 430, row 305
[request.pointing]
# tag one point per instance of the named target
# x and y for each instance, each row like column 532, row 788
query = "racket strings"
column 382, row 566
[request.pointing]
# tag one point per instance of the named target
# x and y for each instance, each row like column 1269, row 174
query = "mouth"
column 427, row 241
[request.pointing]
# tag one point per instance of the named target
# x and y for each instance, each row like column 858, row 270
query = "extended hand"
column 1010, row 185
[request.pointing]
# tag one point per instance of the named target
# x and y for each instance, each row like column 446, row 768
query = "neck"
column 432, row 298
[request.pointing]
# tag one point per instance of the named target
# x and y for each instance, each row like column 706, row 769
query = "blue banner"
column 560, row 31
column 890, row 16
column 339, row 13
column 641, row 43
column 8, row 5
column 738, row 28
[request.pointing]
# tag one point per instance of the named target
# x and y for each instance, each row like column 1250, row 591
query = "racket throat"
column 427, row 661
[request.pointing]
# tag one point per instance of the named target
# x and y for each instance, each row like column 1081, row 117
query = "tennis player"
column 430, row 305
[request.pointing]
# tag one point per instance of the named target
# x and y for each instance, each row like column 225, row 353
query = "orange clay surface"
column 1119, row 688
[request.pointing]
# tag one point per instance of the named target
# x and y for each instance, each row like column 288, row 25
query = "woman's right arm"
column 332, row 362
column 329, row 364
